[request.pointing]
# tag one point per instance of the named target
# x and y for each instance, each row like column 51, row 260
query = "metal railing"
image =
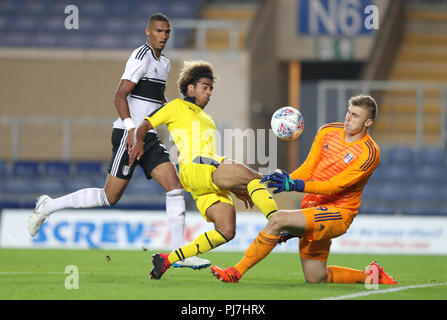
column 201, row 27
column 345, row 89
column 66, row 124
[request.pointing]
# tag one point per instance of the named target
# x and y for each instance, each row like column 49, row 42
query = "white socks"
column 96, row 197
column 84, row 198
column 175, row 210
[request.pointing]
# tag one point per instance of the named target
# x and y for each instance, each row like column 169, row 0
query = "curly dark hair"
column 192, row 72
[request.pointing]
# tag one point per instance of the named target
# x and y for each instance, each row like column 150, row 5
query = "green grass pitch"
column 39, row 274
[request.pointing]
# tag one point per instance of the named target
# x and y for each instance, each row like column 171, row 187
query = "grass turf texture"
column 39, row 274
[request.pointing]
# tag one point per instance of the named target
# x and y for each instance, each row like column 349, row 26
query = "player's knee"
column 276, row 222
column 315, row 275
column 228, row 233
column 316, row 279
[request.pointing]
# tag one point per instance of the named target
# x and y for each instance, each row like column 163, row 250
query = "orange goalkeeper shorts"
column 323, row 223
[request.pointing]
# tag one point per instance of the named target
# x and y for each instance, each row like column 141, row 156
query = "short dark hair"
column 192, row 72
column 366, row 102
column 157, row 17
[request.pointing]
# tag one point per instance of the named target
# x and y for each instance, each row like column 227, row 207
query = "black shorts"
column 155, row 153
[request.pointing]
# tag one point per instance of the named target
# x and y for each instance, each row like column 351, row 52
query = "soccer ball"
column 287, row 123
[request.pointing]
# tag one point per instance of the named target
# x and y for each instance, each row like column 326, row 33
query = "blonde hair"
column 366, row 102
column 192, row 72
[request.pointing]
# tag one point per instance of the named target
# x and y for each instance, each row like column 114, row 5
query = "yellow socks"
column 258, row 250
column 203, row 243
column 344, row 275
column 262, row 198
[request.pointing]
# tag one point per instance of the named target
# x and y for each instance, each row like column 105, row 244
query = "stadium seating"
column 408, row 181
column 102, row 24
column 24, row 181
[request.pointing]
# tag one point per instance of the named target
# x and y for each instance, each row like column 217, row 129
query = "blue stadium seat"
column 56, row 168
column 107, row 41
column 421, row 193
column 45, row 40
column 432, row 156
column 26, row 168
column 400, row 156
column 88, row 168
column 77, row 40
column 58, row 7
column 89, row 26
column 25, row 24
column 371, row 192
column 4, row 169
column 183, row 9
column 377, row 209
column 34, row 7
column 97, row 8
column 15, row 39
column 431, row 174
column 397, row 173
column 5, row 23
column 50, row 185
column 391, row 192
column 18, row 185
column 418, row 211
column 147, row 8
column 137, row 27
column 132, row 41
column 442, row 195
column 40, row 23
column 440, row 211
column 75, row 183
column 9, row 6
column 54, row 24
column 116, row 25
column 378, row 174
column 9, row 204
column 146, row 188
column 122, row 8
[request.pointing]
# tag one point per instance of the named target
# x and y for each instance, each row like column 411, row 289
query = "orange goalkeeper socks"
column 258, row 250
column 344, row 275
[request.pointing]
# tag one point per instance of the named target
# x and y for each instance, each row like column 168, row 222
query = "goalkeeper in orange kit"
column 340, row 162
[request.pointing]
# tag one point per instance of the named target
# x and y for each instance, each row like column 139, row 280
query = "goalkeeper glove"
column 283, row 182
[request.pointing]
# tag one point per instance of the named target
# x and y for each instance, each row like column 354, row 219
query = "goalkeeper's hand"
column 281, row 180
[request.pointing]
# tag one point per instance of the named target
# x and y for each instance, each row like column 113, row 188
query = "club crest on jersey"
column 126, row 170
column 348, row 158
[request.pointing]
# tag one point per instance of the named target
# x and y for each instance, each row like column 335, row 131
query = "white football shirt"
column 150, row 75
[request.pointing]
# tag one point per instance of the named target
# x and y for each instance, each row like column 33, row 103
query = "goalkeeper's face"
column 357, row 120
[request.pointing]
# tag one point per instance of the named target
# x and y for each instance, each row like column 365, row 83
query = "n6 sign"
column 337, row 17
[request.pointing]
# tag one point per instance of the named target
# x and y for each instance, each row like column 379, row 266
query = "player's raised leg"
column 231, row 175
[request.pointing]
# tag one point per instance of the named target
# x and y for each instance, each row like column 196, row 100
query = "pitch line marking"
column 367, row 293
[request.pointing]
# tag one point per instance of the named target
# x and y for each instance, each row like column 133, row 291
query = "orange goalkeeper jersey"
column 336, row 171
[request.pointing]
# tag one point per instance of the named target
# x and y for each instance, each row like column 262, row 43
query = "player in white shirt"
column 140, row 91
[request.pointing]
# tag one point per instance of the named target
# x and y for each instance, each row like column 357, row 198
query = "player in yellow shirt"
column 340, row 162
column 207, row 176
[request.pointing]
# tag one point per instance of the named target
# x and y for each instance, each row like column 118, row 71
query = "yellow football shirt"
column 193, row 130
